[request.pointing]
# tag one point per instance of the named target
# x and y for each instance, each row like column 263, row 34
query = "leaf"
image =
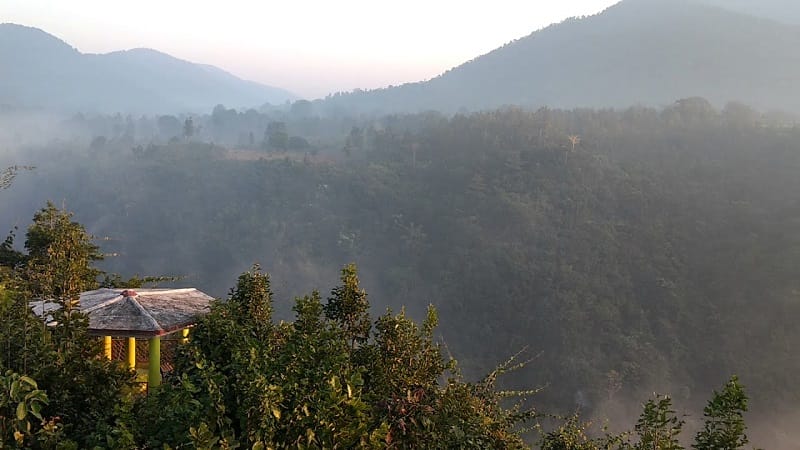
column 276, row 412
column 335, row 383
column 28, row 380
column 21, row 411
column 36, row 408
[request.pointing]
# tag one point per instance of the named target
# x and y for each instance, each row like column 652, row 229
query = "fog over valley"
column 585, row 238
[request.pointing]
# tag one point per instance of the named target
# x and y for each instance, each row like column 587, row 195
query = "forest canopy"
column 629, row 249
column 335, row 377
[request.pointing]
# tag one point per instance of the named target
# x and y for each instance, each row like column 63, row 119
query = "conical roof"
column 141, row 312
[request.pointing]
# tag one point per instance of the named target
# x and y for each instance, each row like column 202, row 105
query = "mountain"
column 638, row 51
column 787, row 11
column 41, row 71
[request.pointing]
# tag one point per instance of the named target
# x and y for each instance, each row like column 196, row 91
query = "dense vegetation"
column 635, row 52
column 613, row 252
column 327, row 380
column 656, row 254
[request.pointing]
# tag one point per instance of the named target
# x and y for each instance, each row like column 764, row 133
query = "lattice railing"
column 169, row 345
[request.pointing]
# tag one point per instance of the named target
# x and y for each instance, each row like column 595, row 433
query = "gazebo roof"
column 139, row 313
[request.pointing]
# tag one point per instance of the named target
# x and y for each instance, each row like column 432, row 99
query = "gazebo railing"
column 169, row 346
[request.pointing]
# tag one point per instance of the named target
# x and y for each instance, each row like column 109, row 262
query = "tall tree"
column 83, row 388
column 348, row 307
column 59, row 264
column 658, row 427
column 277, row 136
column 724, row 427
column 188, row 128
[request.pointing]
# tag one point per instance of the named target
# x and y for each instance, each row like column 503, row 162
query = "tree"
column 298, row 143
column 168, row 126
column 58, row 267
column 60, row 255
column 188, row 128
column 249, row 382
column 355, row 141
column 301, row 109
column 349, row 308
column 658, row 427
column 98, row 143
column 572, row 434
column 21, row 422
column 739, row 115
column 83, row 389
column 276, row 135
column 724, row 427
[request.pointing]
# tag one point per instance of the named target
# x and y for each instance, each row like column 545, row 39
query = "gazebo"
column 139, row 314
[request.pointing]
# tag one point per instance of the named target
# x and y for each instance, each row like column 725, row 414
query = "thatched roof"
column 139, row 313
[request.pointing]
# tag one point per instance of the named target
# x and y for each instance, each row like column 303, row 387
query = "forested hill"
column 787, row 11
column 648, row 52
column 659, row 252
column 39, row 71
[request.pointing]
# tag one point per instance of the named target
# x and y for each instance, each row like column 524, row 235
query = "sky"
column 311, row 48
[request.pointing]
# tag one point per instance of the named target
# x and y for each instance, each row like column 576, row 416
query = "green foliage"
column 658, row 427
column 724, row 427
column 116, row 281
column 248, row 382
column 276, row 136
column 167, row 414
column 60, row 257
column 22, row 424
column 572, row 434
column 349, row 308
column 84, row 390
column 607, row 262
column 252, row 299
column 9, row 257
column 637, row 261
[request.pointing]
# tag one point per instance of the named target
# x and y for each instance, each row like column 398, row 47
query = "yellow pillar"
column 154, row 362
column 132, row 352
column 107, row 347
column 185, row 334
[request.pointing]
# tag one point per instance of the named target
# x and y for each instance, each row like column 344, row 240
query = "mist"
column 615, row 195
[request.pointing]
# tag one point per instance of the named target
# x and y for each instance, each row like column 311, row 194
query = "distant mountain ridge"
column 648, row 52
column 40, row 71
column 786, row 11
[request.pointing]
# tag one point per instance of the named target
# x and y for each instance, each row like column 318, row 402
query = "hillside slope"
column 39, row 71
column 638, row 51
column 786, row 11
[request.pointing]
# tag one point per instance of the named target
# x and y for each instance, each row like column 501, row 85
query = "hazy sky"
column 309, row 47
